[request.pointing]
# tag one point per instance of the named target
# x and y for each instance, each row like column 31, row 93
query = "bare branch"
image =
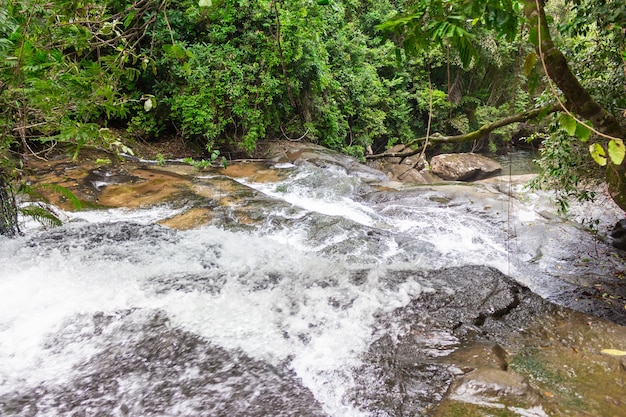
column 477, row 134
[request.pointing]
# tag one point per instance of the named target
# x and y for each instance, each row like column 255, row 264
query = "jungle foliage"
column 230, row 73
column 234, row 73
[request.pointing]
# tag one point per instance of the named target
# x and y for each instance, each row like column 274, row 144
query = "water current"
column 113, row 314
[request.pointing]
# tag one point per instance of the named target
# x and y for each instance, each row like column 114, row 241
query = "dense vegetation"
column 227, row 75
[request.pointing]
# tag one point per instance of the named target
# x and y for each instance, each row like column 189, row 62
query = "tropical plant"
column 447, row 22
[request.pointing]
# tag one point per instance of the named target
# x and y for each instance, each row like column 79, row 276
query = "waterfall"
column 113, row 314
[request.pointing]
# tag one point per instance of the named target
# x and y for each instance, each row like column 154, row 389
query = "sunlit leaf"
column 613, row 352
column 147, row 105
column 617, row 151
column 205, row 3
column 597, row 153
column 568, row 123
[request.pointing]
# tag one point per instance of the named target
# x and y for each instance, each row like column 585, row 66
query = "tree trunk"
column 579, row 101
column 8, row 209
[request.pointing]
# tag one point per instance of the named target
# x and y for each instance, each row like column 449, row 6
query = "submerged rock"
column 488, row 385
column 188, row 375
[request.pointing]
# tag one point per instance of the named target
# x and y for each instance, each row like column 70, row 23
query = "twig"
column 294, row 140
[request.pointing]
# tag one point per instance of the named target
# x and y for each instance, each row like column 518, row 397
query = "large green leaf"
column 597, row 153
column 42, row 214
column 65, row 192
column 617, row 151
column 568, row 123
column 583, row 132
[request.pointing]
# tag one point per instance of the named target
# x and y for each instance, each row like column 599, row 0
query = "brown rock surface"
column 464, row 166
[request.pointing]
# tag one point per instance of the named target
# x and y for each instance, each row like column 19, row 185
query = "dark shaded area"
column 618, row 235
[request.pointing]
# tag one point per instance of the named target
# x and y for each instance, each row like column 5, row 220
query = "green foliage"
column 206, row 163
column 444, row 23
column 248, row 71
column 198, row 164
column 566, row 167
column 160, row 159
column 592, row 34
column 36, row 193
column 145, row 125
column 42, row 213
column 67, row 70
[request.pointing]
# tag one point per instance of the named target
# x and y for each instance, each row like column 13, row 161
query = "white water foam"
column 310, row 315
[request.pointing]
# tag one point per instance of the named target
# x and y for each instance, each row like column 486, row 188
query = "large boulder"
column 464, row 166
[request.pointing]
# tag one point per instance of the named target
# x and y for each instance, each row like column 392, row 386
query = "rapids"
column 340, row 295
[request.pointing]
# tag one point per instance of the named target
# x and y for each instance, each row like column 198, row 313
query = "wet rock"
column 188, row 376
column 410, row 169
column 301, row 153
column 482, row 354
column 618, row 235
column 100, row 177
column 189, row 219
column 488, row 385
column 464, row 166
column 470, row 306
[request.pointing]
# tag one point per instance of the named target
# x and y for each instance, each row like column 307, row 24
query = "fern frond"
column 32, row 192
column 42, row 214
column 65, row 192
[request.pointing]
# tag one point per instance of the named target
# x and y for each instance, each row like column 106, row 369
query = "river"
column 320, row 292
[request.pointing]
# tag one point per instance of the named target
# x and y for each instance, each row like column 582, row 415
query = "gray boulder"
column 464, row 166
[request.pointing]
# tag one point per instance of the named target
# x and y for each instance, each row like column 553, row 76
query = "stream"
column 308, row 287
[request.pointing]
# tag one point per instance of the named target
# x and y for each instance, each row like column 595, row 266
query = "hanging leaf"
column 568, row 123
column 204, row 3
column 529, row 63
column 147, row 105
column 617, row 151
column 597, row 153
column 583, row 132
column 128, row 19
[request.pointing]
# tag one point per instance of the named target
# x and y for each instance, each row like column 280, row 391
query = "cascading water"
column 114, row 315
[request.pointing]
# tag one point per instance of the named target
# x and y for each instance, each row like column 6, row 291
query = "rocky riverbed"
column 468, row 299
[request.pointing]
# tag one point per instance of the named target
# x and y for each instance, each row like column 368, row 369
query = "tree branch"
column 471, row 136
